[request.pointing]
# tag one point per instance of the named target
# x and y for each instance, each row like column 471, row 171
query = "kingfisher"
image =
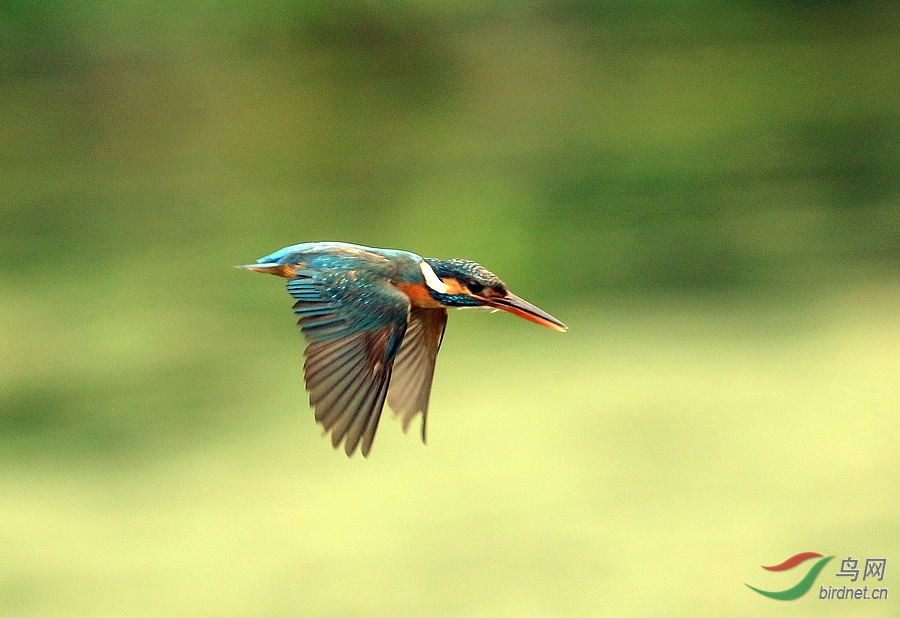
column 374, row 320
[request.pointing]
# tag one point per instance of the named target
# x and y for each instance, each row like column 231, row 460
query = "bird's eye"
column 475, row 287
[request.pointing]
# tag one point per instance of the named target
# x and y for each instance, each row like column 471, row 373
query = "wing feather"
column 413, row 372
column 370, row 411
column 372, row 424
column 354, row 324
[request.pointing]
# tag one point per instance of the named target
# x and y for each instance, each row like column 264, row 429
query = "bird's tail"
column 288, row 271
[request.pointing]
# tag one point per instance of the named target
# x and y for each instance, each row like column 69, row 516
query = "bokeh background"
column 707, row 193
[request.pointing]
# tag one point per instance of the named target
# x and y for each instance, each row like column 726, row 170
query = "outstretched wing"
column 414, row 367
column 354, row 324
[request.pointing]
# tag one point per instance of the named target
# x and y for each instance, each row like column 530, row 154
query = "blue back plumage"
column 329, row 256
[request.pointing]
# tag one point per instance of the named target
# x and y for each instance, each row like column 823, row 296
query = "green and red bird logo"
column 804, row 584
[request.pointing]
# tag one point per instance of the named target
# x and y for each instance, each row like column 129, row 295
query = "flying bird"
column 374, row 320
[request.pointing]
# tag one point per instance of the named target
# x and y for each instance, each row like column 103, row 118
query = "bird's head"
column 467, row 284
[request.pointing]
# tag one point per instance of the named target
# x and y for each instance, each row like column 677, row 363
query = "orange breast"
column 418, row 295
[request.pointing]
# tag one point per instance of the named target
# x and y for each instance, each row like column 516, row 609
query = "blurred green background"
column 707, row 193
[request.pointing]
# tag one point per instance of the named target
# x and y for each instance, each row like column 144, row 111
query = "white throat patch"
column 431, row 279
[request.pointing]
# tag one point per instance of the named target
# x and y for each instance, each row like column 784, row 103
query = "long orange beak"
column 522, row 308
